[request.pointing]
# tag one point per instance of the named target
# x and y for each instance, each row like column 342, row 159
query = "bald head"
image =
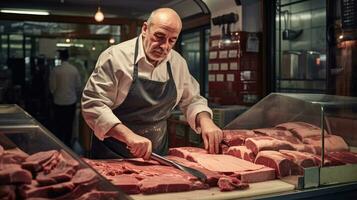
column 160, row 33
column 167, row 17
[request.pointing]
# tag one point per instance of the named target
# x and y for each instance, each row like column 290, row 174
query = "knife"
column 201, row 176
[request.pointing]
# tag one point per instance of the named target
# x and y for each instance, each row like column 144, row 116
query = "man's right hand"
column 139, row 146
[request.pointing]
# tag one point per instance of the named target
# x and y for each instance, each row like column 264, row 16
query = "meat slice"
column 343, row 157
column 13, row 156
column 1, row 150
column 14, row 174
column 272, row 132
column 231, row 183
column 260, row 175
column 332, row 143
column 276, row 160
column 51, row 191
column 212, row 177
column 262, row 143
column 301, row 160
column 79, row 190
column 185, row 152
column 236, row 137
column 224, row 163
column 241, row 152
column 128, row 183
column 35, row 161
column 84, row 176
column 301, row 130
column 165, row 183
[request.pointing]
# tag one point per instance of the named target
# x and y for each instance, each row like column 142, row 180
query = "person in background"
column 134, row 87
column 65, row 86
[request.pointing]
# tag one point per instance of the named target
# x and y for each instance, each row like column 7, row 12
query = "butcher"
column 134, row 87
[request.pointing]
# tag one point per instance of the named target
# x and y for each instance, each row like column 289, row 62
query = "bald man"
column 135, row 86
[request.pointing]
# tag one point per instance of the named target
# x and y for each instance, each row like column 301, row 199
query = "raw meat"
column 332, row 143
column 224, row 163
column 241, row 152
column 262, row 143
column 276, row 160
column 301, row 129
column 231, row 183
column 1, row 150
column 296, row 125
column 127, row 183
column 14, row 174
column 165, row 183
column 343, row 156
column 272, row 132
column 13, row 156
column 185, row 152
column 301, row 160
column 35, row 161
column 7, row 192
column 100, row 195
column 50, row 191
column 260, row 175
column 236, row 137
column 84, row 176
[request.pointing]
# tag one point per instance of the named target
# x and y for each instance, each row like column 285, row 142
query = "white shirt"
column 111, row 79
column 65, row 84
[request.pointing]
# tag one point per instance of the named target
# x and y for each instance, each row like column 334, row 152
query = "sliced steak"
column 51, row 191
column 185, row 152
column 262, row 143
column 165, row 183
column 241, row 152
column 1, row 150
column 301, row 160
column 84, row 176
column 343, row 157
column 275, row 160
column 236, row 137
column 35, row 161
column 14, row 174
column 224, row 163
column 301, row 130
column 79, row 190
column 231, row 183
column 332, row 143
column 260, row 175
column 296, row 125
column 272, row 132
column 126, row 182
column 13, row 156
column 8, row 192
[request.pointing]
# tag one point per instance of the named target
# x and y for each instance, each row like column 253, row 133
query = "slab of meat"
column 301, row 160
column 305, row 148
column 35, row 161
column 224, row 163
column 79, row 190
column 84, row 176
column 165, row 183
column 127, row 182
column 262, row 143
column 236, row 137
column 272, row 132
column 13, row 156
column 1, row 150
column 343, row 157
column 332, row 143
column 14, row 174
column 185, row 152
column 231, row 183
column 274, row 159
column 241, row 152
column 51, row 191
column 301, row 129
column 212, row 177
column 260, row 175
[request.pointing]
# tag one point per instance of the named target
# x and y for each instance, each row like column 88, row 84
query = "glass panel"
column 301, row 46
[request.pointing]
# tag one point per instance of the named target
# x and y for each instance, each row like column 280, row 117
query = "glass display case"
column 337, row 115
column 35, row 164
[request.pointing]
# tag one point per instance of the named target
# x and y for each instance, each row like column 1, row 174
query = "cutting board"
column 255, row 189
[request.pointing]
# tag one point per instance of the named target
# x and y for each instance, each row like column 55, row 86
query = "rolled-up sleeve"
column 191, row 102
column 99, row 96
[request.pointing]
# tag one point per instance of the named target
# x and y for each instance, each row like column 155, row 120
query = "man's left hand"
column 211, row 133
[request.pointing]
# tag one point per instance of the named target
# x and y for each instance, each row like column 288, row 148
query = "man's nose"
column 165, row 44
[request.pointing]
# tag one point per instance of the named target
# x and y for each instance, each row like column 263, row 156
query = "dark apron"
column 144, row 111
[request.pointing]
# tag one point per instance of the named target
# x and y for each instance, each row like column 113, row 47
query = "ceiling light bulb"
column 99, row 16
column 111, row 41
column 93, row 48
column 68, row 40
column 340, row 37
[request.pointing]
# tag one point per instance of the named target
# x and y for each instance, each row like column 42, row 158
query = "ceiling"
column 111, row 8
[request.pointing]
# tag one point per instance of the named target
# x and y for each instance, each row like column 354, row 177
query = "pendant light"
column 99, row 16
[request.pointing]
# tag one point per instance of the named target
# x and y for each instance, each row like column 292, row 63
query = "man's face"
column 158, row 40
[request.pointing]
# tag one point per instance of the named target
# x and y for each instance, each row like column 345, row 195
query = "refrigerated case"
column 335, row 114
column 19, row 130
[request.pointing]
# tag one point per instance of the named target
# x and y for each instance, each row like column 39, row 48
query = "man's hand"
column 211, row 133
column 139, row 146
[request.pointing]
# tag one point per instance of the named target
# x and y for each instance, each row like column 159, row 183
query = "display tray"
column 255, row 189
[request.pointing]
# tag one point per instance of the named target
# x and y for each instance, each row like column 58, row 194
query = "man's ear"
column 144, row 29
